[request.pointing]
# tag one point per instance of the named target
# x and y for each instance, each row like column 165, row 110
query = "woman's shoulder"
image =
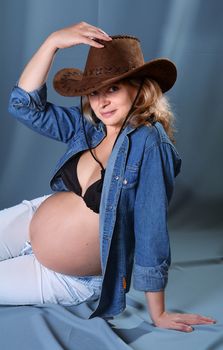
column 157, row 138
column 154, row 134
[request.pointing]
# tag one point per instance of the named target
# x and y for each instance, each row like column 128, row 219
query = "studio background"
column 189, row 32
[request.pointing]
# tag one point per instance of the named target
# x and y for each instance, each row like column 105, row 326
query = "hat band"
column 105, row 71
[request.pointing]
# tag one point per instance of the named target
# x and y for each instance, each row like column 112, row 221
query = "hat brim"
column 72, row 82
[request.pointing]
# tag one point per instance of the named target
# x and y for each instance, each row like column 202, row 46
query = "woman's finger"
column 96, row 29
column 181, row 327
column 97, row 35
column 194, row 319
column 91, row 42
column 93, row 32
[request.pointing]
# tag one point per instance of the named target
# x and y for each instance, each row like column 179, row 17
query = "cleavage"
column 88, row 171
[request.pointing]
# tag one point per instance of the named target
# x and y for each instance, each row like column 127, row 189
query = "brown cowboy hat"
column 119, row 59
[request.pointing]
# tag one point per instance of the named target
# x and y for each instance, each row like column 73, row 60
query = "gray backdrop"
column 187, row 31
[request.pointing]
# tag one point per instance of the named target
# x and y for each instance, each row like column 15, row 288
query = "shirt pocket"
column 130, row 178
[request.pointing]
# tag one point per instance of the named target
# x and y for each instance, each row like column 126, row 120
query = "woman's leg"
column 14, row 227
column 24, row 281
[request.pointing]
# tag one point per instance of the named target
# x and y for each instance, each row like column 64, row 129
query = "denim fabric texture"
column 138, row 186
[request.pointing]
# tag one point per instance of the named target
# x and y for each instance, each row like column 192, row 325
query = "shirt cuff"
column 150, row 279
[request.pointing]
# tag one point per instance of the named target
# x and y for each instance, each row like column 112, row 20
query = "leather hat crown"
column 119, row 59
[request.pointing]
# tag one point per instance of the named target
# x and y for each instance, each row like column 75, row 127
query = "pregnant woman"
column 107, row 215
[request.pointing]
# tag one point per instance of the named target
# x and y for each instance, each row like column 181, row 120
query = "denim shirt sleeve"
column 160, row 165
column 33, row 110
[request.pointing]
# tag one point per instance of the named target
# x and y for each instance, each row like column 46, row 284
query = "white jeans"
column 23, row 280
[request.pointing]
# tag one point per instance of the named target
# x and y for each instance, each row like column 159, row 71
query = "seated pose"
column 106, row 219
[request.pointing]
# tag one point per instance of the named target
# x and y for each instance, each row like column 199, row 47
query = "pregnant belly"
column 64, row 235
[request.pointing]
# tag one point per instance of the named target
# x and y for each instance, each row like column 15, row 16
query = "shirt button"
column 117, row 177
column 125, row 181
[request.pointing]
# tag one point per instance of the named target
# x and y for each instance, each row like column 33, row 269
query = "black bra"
column 92, row 196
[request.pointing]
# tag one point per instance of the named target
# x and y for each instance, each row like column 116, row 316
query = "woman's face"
column 112, row 103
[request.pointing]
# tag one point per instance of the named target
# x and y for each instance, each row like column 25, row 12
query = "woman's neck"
column 112, row 131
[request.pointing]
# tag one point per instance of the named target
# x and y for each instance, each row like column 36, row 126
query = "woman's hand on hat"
column 81, row 33
column 182, row 322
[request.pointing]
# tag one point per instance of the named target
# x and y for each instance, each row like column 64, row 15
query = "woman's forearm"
column 37, row 69
column 156, row 304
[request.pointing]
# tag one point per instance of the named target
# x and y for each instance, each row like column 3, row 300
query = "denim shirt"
column 137, row 188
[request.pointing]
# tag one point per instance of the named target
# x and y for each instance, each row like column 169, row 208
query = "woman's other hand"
column 182, row 322
column 163, row 319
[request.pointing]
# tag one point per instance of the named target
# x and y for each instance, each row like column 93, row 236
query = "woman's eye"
column 113, row 88
column 93, row 93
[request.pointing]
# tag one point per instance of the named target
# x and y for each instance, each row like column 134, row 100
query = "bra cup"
column 69, row 176
column 92, row 196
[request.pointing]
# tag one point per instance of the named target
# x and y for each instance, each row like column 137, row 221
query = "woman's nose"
column 103, row 100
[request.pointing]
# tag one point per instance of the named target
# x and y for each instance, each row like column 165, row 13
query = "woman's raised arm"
column 37, row 69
